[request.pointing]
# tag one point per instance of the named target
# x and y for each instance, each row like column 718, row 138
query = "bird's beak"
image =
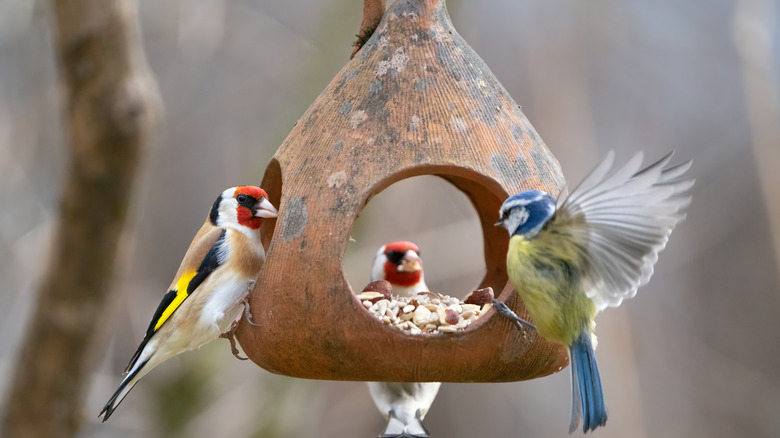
column 499, row 223
column 266, row 210
column 410, row 263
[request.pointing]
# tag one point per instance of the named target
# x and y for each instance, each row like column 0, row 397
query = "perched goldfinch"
column 590, row 251
column 210, row 289
column 404, row 404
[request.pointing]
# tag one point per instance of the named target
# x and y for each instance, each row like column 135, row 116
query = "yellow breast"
column 547, row 273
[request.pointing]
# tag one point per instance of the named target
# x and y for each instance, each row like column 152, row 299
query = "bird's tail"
column 397, row 429
column 121, row 392
column 587, row 401
column 145, row 363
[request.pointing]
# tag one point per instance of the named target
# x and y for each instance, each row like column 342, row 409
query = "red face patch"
column 404, row 279
column 402, row 246
column 253, row 191
column 247, row 218
column 244, row 215
column 401, row 278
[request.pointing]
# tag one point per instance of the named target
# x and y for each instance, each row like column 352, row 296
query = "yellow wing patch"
column 181, row 295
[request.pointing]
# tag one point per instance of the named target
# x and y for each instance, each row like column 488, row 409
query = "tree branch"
column 110, row 103
column 373, row 10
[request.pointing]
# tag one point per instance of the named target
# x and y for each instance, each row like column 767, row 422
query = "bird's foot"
column 230, row 335
column 245, row 302
column 504, row 310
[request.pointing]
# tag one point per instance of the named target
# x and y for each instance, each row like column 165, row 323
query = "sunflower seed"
column 426, row 312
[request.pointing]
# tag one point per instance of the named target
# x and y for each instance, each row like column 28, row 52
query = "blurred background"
column 695, row 354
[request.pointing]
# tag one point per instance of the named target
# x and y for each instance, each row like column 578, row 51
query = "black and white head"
column 526, row 213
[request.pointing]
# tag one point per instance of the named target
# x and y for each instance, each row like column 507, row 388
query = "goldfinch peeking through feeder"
column 404, row 404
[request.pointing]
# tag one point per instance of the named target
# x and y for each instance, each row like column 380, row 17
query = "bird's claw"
column 230, row 336
column 247, row 313
column 245, row 301
column 504, row 310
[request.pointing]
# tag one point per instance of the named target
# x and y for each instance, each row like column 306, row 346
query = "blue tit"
column 404, row 404
column 591, row 250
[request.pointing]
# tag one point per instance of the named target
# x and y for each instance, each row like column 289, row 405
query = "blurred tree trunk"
column 752, row 27
column 110, row 102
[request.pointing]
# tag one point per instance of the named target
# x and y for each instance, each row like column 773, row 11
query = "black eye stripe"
column 246, row 200
column 394, row 257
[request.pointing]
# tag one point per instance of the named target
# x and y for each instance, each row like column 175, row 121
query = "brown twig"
column 373, row 10
column 110, row 103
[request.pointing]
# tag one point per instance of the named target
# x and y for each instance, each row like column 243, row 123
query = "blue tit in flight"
column 404, row 404
column 572, row 258
column 210, row 289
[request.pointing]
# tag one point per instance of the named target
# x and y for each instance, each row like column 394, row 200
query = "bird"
column 404, row 404
column 210, row 288
column 573, row 258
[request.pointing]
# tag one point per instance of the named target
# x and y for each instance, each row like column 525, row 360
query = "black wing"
column 176, row 296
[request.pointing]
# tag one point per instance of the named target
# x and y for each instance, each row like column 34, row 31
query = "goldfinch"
column 205, row 299
column 590, row 251
column 404, row 404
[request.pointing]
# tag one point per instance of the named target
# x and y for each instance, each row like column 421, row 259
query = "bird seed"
column 426, row 312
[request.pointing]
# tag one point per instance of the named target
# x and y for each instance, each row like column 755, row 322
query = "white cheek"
column 523, row 217
column 227, row 212
column 378, row 270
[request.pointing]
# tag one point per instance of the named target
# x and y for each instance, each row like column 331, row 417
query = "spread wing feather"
column 621, row 221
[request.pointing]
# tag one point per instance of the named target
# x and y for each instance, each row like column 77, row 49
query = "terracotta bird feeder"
column 415, row 100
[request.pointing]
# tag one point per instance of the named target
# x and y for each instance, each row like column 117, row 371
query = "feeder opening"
column 437, row 293
column 272, row 184
column 432, row 213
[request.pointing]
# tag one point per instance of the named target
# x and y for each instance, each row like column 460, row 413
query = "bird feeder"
column 415, row 100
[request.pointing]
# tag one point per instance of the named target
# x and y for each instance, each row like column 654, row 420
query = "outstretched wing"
column 622, row 221
column 201, row 259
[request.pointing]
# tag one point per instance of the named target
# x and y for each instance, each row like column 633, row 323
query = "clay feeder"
column 415, row 100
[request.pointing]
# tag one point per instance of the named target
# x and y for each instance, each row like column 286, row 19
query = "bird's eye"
column 242, row 198
column 394, row 257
